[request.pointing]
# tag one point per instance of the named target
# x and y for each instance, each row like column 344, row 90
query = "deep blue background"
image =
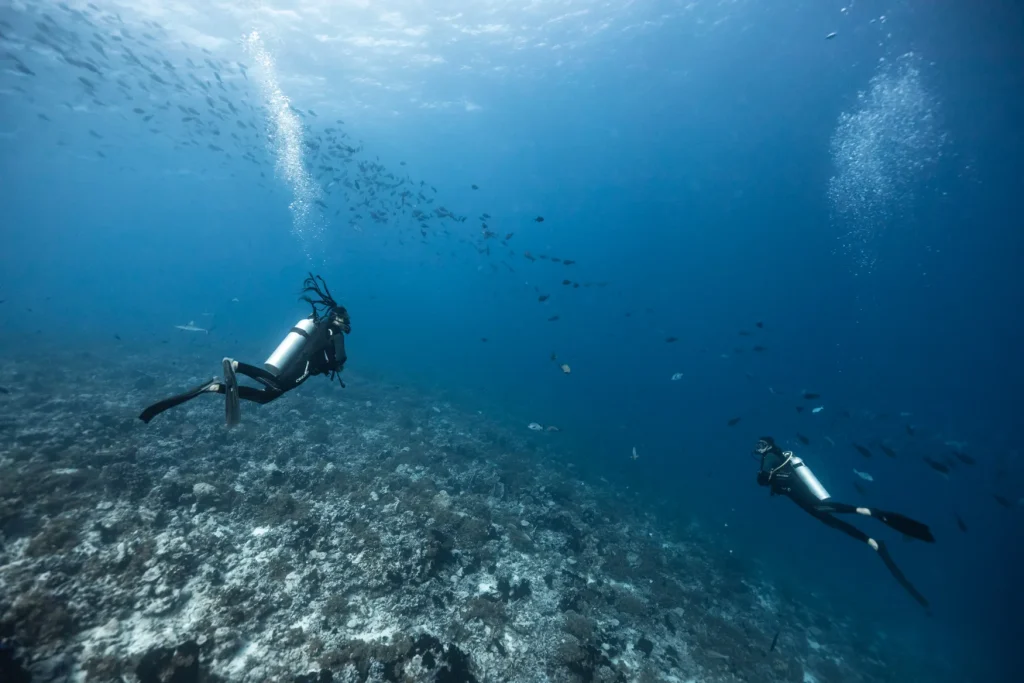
column 694, row 179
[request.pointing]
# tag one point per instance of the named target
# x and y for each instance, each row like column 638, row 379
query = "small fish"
column 910, row 430
column 964, row 458
column 554, row 356
column 566, row 282
column 799, row 409
column 760, row 348
column 744, row 333
column 936, row 465
column 474, row 187
column 864, row 475
column 509, row 236
column 831, row 35
column 829, row 439
column 1002, row 500
column 860, row 489
column 960, row 523
column 553, row 318
column 818, row 409
column 677, row 376
column 4, row 390
column 811, row 396
column 635, row 456
column 734, row 421
column 534, row 426
column 565, row 368
column 760, row 325
column 117, row 337
column 862, row 450
column 483, row 339
column 803, row 439
column 539, row 219
column 191, row 327
column 670, row 340
column 888, row 451
column 552, row 428
column 775, row 640
column 568, row 262
column 543, row 297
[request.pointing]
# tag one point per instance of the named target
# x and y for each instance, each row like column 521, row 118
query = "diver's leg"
column 877, row 546
column 260, row 396
column 899, row 522
column 152, row 411
column 256, row 373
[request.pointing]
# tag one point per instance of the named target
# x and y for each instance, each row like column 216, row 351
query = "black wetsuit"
column 322, row 354
column 779, row 474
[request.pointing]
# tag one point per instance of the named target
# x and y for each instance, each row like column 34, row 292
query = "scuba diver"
column 787, row 475
column 315, row 346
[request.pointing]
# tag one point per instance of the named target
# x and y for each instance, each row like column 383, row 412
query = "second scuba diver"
column 315, row 346
column 787, row 475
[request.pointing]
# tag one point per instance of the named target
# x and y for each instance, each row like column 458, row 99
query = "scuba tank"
column 292, row 345
column 808, row 478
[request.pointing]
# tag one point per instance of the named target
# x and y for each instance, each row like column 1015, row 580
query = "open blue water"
column 707, row 165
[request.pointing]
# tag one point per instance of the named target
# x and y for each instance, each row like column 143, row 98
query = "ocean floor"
column 368, row 534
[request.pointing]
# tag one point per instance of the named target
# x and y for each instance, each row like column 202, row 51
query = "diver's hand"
column 763, row 478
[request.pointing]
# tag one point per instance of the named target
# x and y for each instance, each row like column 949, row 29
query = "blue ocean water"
column 707, row 166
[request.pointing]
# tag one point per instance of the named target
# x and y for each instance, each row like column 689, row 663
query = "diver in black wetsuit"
column 787, row 475
column 315, row 346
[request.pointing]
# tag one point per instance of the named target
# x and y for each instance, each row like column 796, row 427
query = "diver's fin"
column 159, row 407
column 232, row 410
column 905, row 525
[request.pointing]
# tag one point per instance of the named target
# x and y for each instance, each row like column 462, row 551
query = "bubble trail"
column 880, row 152
column 286, row 137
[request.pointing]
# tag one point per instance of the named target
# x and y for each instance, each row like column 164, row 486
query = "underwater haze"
column 592, row 251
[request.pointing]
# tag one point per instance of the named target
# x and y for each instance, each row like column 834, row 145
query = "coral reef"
column 370, row 534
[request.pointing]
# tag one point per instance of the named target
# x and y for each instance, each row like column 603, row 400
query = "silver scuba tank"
column 290, row 347
column 809, row 480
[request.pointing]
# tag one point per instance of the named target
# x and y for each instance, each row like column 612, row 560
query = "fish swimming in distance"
column 860, row 489
column 553, row 318
column 831, row 35
column 1002, row 500
column 760, row 348
column 474, row 187
column 539, row 219
column 964, row 458
column 565, row 368
column 888, row 451
column 670, row 340
column 4, row 390
column 863, row 475
column 635, row 456
column 543, row 297
column 734, row 421
column 960, row 523
column 535, row 426
column 803, row 439
column 818, row 409
column 677, row 376
column 759, row 324
column 810, row 396
column 862, row 450
column 799, row 409
column 910, row 430
column 191, row 327
column 936, row 465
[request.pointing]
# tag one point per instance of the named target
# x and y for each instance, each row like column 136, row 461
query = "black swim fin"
column 232, row 409
column 905, row 525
